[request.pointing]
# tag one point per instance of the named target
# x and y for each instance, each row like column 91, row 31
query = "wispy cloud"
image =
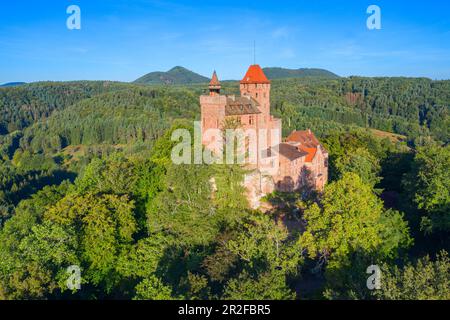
column 168, row 36
column 287, row 53
column 359, row 52
column 222, row 45
column 281, row 32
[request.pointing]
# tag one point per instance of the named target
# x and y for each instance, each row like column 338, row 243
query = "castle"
column 298, row 163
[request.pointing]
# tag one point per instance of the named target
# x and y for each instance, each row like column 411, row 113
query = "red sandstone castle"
column 299, row 163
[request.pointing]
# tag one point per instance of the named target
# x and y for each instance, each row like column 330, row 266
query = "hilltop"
column 176, row 75
column 181, row 75
column 12, row 84
column 281, row 73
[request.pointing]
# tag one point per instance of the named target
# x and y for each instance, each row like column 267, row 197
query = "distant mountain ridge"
column 177, row 75
column 12, row 84
column 181, row 75
column 282, row 73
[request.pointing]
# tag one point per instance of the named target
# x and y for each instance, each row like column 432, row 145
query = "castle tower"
column 212, row 107
column 256, row 85
column 214, row 85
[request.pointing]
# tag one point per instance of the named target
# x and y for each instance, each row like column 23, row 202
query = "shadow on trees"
column 38, row 181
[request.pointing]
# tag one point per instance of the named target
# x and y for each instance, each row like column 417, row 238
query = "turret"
column 214, row 85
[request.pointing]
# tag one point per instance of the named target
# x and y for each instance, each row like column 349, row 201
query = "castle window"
column 257, row 95
column 250, row 120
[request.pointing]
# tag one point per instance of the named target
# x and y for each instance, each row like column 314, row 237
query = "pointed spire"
column 214, row 80
column 214, row 85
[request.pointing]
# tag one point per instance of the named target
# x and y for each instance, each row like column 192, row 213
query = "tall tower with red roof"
column 256, row 85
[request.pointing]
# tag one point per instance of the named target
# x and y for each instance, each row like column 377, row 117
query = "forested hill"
column 410, row 106
column 26, row 104
column 407, row 106
column 281, row 73
column 138, row 114
column 176, row 75
column 12, row 84
column 179, row 75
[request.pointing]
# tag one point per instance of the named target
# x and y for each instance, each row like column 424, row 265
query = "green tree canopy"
column 350, row 218
column 423, row 280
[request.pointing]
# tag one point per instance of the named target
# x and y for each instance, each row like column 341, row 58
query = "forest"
column 86, row 179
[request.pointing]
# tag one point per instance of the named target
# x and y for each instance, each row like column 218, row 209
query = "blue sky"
column 124, row 39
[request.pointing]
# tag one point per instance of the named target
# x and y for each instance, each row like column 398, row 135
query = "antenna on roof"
column 254, row 51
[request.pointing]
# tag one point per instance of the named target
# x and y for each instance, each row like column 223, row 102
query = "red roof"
column 214, row 80
column 307, row 143
column 311, row 153
column 255, row 75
